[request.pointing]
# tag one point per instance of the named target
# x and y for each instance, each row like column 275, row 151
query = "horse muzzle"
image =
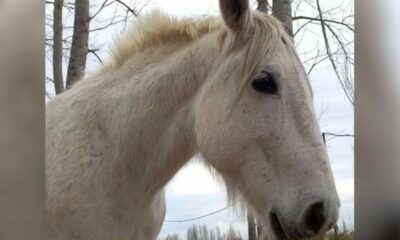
column 313, row 219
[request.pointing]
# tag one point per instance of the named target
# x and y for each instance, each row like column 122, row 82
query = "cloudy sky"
column 193, row 191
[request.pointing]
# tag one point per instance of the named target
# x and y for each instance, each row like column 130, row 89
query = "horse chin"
column 281, row 231
column 277, row 227
column 272, row 226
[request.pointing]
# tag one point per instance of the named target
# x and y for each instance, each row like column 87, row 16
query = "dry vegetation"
column 202, row 232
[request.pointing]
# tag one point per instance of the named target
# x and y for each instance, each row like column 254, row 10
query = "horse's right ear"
column 236, row 14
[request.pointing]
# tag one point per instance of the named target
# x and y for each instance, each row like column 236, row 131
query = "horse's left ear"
column 236, row 14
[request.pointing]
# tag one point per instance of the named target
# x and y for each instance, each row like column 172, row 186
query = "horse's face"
column 262, row 135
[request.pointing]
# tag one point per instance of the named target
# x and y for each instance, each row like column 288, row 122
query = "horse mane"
column 158, row 28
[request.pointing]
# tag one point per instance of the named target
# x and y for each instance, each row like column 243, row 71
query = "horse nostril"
column 315, row 217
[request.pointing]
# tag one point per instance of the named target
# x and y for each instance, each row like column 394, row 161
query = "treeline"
column 202, row 232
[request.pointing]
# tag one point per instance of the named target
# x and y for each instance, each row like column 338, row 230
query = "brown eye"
column 265, row 84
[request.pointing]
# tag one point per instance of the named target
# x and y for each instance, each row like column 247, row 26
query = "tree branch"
column 127, row 7
column 338, row 134
column 329, row 53
column 94, row 52
column 104, row 5
column 347, row 25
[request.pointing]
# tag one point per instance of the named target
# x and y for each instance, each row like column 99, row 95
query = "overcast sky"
column 193, row 191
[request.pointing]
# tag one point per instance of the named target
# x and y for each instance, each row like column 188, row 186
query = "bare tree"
column 80, row 43
column 58, row 46
column 282, row 10
column 201, row 232
column 69, row 45
column 262, row 6
column 334, row 31
column 347, row 88
column 172, row 237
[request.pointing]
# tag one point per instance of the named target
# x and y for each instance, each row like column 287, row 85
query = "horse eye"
column 265, row 84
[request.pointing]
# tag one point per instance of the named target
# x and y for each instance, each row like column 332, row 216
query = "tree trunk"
column 80, row 38
column 282, row 10
column 262, row 5
column 251, row 224
column 58, row 46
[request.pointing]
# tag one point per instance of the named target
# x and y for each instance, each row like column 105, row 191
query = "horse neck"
column 162, row 139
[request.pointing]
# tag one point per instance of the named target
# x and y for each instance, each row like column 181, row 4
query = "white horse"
column 230, row 89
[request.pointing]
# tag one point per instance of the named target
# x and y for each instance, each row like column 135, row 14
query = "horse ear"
column 236, row 14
